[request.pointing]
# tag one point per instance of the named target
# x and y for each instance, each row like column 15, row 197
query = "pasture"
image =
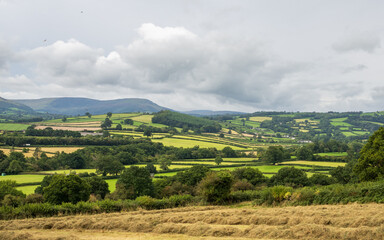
column 242, row 221
column 13, row 126
column 25, row 178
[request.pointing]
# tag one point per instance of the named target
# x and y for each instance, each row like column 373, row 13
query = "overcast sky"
column 242, row 55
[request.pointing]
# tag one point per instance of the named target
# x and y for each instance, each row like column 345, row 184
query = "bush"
column 252, row 175
column 290, row 176
column 12, row 201
column 304, row 196
column 242, row 185
column 274, row 195
column 34, row 198
column 69, row 188
column 321, row 179
column 8, row 187
column 216, row 187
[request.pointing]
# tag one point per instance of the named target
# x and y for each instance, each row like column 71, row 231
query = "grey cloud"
column 359, row 67
column 359, row 42
column 174, row 66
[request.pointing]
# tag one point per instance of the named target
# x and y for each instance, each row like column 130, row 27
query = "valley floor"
column 353, row 221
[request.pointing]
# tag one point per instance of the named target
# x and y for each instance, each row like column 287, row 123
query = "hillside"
column 175, row 119
column 7, row 106
column 75, row 106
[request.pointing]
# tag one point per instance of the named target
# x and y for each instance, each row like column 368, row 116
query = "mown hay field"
column 353, row 221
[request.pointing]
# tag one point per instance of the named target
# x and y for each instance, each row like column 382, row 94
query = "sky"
column 243, row 55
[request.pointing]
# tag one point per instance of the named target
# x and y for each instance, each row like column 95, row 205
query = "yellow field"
column 260, row 119
column 50, row 151
column 191, row 143
column 354, row 221
column 201, row 162
column 313, row 163
column 71, row 128
column 143, row 118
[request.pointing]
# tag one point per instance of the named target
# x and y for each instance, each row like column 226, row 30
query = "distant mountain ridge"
column 76, row 106
column 12, row 106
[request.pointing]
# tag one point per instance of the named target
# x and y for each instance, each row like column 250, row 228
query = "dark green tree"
column 128, row 121
column 304, row 153
column 69, row 188
column 45, row 183
column 252, row 175
column 165, row 161
column 216, row 187
column 275, row 154
column 290, row 176
column 218, row 160
column 321, row 179
column 109, row 114
column 147, row 132
column 99, row 186
column 136, row 181
column 193, row 175
column 370, row 165
column 107, row 164
column 119, row 127
column 151, row 168
column 8, row 187
column 228, row 152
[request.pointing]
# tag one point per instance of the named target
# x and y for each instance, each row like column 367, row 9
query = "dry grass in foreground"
column 354, row 221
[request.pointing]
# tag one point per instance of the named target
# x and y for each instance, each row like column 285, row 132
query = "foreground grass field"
column 353, row 221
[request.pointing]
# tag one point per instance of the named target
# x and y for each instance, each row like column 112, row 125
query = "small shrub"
column 34, row 198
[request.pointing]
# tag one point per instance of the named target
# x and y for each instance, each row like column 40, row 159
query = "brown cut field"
column 353, row 221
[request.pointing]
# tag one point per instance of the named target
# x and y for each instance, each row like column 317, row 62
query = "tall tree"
column 370, row 165
column 136, row 181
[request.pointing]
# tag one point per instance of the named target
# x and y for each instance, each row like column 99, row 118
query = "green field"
column 13, row 126
column 337, row 122
column 28, row 189
column 111, row 184
column 28, row 178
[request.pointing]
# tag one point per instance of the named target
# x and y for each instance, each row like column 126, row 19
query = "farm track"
column 354, row 221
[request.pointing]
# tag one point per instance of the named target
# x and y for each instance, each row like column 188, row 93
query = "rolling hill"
column 8, row 106
column 75, row 106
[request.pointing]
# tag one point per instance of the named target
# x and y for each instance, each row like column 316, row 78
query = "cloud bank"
column 180, row 69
